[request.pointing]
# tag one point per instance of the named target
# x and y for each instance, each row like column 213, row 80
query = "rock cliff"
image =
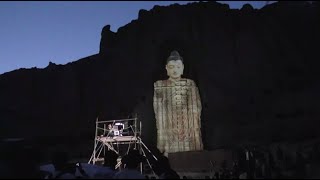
column 257, row 72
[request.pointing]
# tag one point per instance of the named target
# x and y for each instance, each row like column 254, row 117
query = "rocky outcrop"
column 256, row 71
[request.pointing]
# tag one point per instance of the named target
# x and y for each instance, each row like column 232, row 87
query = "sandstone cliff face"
column 256, row 71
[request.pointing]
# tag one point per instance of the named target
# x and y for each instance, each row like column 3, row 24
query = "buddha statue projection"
column 177, row 107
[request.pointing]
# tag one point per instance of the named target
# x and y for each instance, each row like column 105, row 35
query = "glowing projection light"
column 118, row 129
column 177, row 107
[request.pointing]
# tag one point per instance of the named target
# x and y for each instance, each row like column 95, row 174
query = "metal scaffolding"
column 125, row 134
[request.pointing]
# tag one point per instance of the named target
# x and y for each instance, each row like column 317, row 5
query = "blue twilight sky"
column 32, row 33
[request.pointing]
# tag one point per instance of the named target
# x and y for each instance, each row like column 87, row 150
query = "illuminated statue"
column 177, row 108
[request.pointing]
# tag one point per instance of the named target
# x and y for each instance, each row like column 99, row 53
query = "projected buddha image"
column 177, row 108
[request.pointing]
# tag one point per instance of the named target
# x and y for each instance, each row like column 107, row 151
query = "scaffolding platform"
column 124, row 139
column 119, row 136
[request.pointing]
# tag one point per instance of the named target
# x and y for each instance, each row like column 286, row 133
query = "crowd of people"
column 251, row 163
column 130, row 168
column 19, row 161
column 271, row 163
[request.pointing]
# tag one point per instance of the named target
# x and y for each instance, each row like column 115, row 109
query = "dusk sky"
column 34, row 33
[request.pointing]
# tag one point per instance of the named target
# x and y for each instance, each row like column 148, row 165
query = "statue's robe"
column 177, row 108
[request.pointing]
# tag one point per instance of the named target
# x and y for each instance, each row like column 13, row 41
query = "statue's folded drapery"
column 177, row 107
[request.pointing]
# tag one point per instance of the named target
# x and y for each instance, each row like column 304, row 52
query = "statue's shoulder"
column 189, row 82
column 159, row 83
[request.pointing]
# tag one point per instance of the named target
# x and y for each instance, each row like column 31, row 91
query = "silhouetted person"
column 108, row 170
column 258, row 169
column 300, row 166
column 235, row 170
column 252, row 165
column 109, row 132
column 110, row 159
column 217, row 175
column 279, row 154
column 131, row 125
column 270, row 165
column 315, row 153
column 163, row 169
column 62, row 169
column 131, row 163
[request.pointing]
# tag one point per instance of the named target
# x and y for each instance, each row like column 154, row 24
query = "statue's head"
column 174, row 65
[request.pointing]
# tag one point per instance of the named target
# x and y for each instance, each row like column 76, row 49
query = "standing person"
column 163, row 169
column 131, row 163
column 109, row 132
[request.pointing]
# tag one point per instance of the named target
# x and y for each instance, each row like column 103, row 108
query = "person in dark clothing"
column 131, row 163
column 163, row 169
column 216, row 175
column 110, row 159
column 235, row 170
column 108, row 170
column 279, row 154
column 62, row 169
column 300, row 166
